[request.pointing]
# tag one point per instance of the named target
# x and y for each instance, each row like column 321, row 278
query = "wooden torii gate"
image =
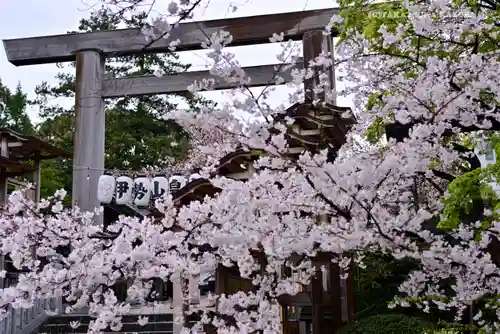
column 90, row 51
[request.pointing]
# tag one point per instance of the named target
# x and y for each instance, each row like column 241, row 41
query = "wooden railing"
column 26, row 320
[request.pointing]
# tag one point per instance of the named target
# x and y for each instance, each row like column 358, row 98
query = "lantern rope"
column 118, row 172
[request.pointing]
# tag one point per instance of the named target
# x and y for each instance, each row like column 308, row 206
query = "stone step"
column 158, row 323
column 132, row 318
column 128, row 327
column 155, row 332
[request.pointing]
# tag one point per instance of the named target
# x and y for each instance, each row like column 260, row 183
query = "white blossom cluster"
column 435, row 73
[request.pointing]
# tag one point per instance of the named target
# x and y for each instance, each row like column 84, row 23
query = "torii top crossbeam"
column 245, row 31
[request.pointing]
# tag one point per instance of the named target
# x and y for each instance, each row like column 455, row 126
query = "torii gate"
column 90, row 51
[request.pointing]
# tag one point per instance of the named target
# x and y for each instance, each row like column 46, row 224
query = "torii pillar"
column 88, row 139
column 340, row 297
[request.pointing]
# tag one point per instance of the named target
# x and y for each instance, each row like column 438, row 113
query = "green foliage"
column 375, row 131
column 388, row 323
column 457, row 328
column 13, row 110
column 471, row 192
column 378, row 282
column 57, row 173
column 464, row 193
column 366, row 18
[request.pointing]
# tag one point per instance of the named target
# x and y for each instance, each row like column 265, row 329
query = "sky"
column 30, row 18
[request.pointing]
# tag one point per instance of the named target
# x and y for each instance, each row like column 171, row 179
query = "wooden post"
column 314, row 43
column 36, row 180
column 177, row 301
column 194, row 289
column 351, row 293
column 316, row 294
column 221, row 276
column 88, row 156
column 4, row 152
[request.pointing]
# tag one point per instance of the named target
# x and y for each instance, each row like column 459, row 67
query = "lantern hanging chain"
column 111, row 171
column 118, row 172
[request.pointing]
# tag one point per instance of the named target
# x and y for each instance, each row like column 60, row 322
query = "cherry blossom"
column 431, row 79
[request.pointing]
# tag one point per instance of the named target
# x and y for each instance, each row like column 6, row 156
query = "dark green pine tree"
column 137, row 135
column 13, row 113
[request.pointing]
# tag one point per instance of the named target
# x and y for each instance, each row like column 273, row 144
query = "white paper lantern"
column 105, row 188
column 175, row 183
column 124, row 187
column 142, row 191
column 194, row 176
column 159, row 187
